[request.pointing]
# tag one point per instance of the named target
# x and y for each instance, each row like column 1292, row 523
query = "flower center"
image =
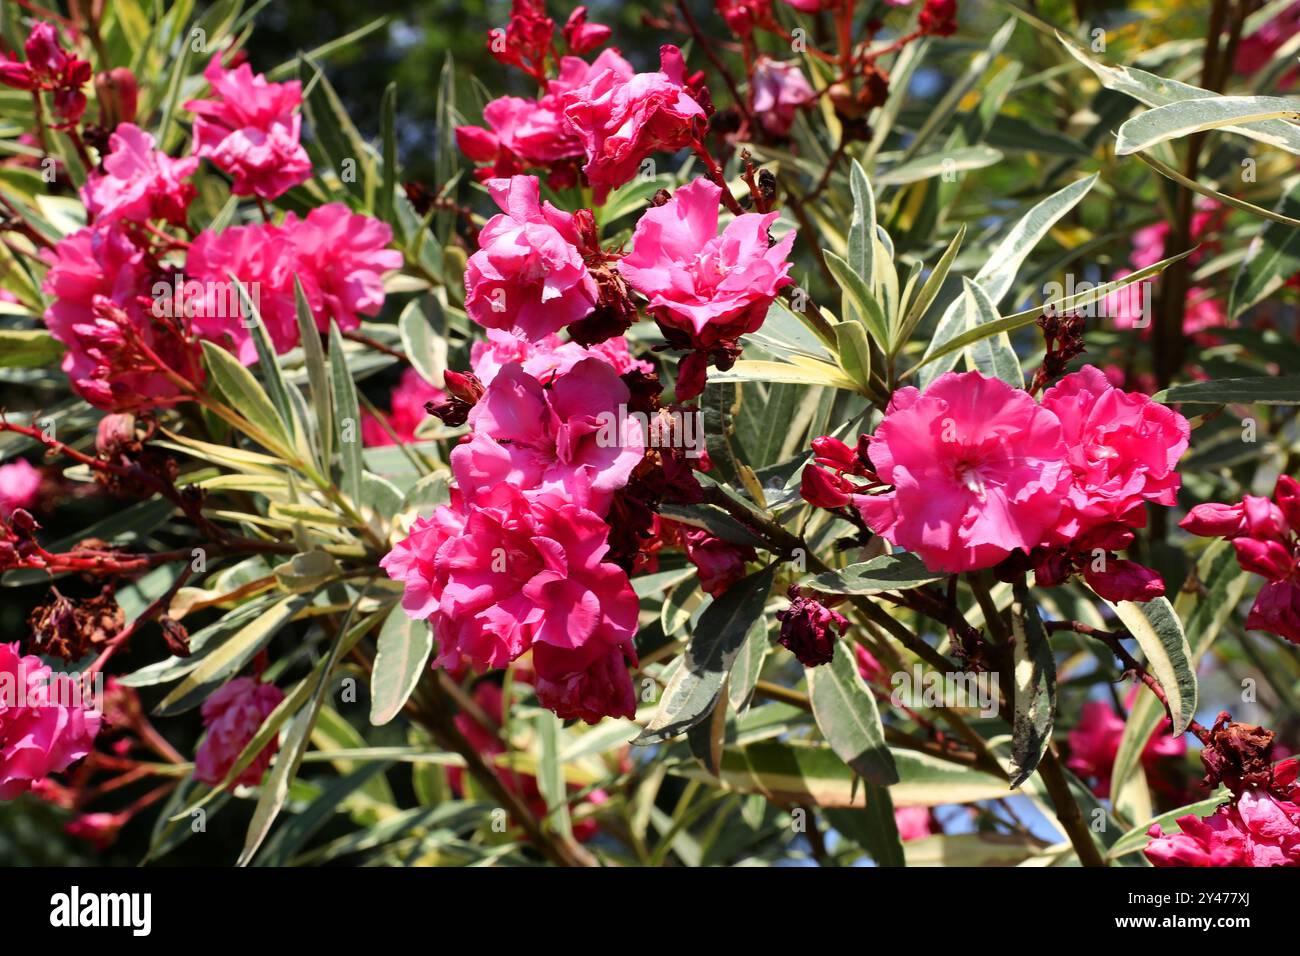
column 968, row 475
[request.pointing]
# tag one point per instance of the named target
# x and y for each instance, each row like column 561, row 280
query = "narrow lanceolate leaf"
column 317, row 374
column 246, row 397
column 267, row 363
column 1222, row 582
column 229, row 658
column 999, row 270
column 426, row 349
column 401, row 655
column 28, row 348
column 388, row 135
column 889, row 572
column 994, row 355
column 1186, row 117
column 1159, row 91
column 1169, row 658
column 1035, row 686
column 855, row 352
column 863, row 225
column 874, row 827
column 347, row 414
column 697, row 684
column 1272, row 258
column 1261, row 390
column 847, row 717
column 550, row 781
column 748, row 665
column 916, row 311
column 859, row 297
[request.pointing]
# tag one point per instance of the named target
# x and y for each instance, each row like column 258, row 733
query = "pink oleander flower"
column 581, row 36
column 813, row 6
column 20, row 486
column 406, row 413
column 574, row 438
column 779, row 91
column 913, row 822
column 232, row 716
column 40, row 733
column 825, row 489
column 528, row 274
column 251, row 130
column 547, row 357
column 978, row 470
column 809, row 629
column 585, row 683
column 1122, row 450
column 1256, row 50
column 499, row 572
column 719, row 563
column 742, row 16
column 1094, row 744
column 1266, row 537
column 139, row 182
column 522, row 132
column 51, row 68
column 1258, row 827
column 938, row 18
column 527, row 38
column 622, row 120
column 98, row 829
column 101, row 287
column 704, row 289
column 339, row 257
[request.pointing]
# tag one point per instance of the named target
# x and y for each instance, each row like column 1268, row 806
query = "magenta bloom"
column 1257, row 828
column 978, row 470
column 809, row 629
column 586, row 683
column 1122, row 450
column 407, row 410
column 339, row 257
column 101, row 288
column 251, row 130
column 528, row 274
column 233, row 715
column 547, row 357
column 779, row 89
column 497, row 574
column 42, row 728
column 20, row 485
column 913, row 822
column 1277, row 609
column 705, row 290
column 139, row 183
column 575, row 437
column 622, row 120
column 718, row 563
column 1094, row 743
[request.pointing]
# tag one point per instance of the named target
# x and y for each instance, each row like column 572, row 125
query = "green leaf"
column 1160, row 635
column 294, row 834
column 1186, row 117
column 748, row 665
column 267, row 361
column 916, row 311
column 859, row 297
column 29, row 348
column 696, row 685
column 972, row 849
column 246, row 397
column 999, row 272
column 1205, row 609
column 1261, row 390
column 1272, row 258
column 317, row 376
column 854, row 351
column 401, row 656
column 426, row 349
column 806, row 372
column 347, row 416
column 889, row 572
column 342, row 144
column 1035, row 687
column 229, row 657
column 1159, row 91
column 874, row 827
column 936, row 164
column 388, row 135
column 847, row 717
column 550, row 777
column 862, row 227
column 992, row 355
